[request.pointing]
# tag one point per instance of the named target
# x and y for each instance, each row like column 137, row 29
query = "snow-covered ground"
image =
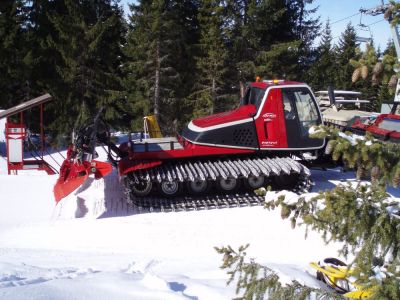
column 85, row 248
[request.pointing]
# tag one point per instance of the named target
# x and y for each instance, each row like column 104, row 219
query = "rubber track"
column 234, row 168
column 212, row 170
column 187, row 203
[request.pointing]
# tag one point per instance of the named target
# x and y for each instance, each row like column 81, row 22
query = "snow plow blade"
column 73, row 175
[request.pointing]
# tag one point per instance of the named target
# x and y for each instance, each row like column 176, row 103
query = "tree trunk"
column 213, row 95
column 157, row 84
column 242, row 88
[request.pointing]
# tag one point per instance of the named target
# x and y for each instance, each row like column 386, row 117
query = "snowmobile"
column 385, row 127
column 260, row 143
column 337, row 275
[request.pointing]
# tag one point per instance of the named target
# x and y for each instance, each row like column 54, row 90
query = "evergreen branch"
column 364, row 217
column 255, row 281
column 366, row 154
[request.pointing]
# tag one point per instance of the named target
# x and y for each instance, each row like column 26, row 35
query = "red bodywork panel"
column 270, row 125
column 242, row 113
column 143, row 160
column 128, row 165
column 267, row 84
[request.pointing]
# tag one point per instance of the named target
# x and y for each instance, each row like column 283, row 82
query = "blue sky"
column 336, row 10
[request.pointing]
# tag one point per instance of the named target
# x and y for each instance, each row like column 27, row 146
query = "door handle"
column 266, row 130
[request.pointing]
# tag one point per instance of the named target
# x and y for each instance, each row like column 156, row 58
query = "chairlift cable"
column 376, row 22
column 346, row 18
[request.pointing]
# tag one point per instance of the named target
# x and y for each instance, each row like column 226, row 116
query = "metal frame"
column 17, row 131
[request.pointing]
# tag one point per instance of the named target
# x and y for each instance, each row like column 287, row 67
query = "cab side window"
column 253, row 96
column 288, row 107
column 299, row 105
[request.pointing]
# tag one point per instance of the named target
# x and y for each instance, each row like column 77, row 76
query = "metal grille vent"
column 243, row 137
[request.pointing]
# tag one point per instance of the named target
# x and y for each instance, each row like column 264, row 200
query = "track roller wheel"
column 198, row 187
column 169, row 188
column 141, row 188
column 254, row 182
column 228, row 185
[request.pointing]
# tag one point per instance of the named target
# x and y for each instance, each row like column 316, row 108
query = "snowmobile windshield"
column 254, row 95
column 390, row 124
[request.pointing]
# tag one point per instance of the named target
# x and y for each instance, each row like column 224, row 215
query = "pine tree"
column 324, row 68
column 345, row 51
column 278, row 47
column 363, row 218
column 42, row 75
column 368, row 82
column 211, row 61
column 306, row 29
column 88, row 39
column 285, row 39
column 185, row 14
column 242, row 41
column 256, row 281
column 155, row 48
column 13, row 82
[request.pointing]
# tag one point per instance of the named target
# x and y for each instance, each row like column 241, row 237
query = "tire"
column 142, row 189
column 228, row 185
column 169, row 188
column 253, row 182
column 198, row 187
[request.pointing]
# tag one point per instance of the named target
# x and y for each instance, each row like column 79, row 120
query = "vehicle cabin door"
column 300, row 113
column 270, row 123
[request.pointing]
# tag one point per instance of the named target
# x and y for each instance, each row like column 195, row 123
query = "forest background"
column 175, row 59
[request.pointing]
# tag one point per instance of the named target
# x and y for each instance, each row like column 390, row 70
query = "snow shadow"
column 394, row 192
column 3, row 151
column 180, row 287
column 115, row 204
column 328, row 179
column 81, row 208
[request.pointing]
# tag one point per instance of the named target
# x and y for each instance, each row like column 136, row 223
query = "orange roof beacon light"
column 274, row 81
